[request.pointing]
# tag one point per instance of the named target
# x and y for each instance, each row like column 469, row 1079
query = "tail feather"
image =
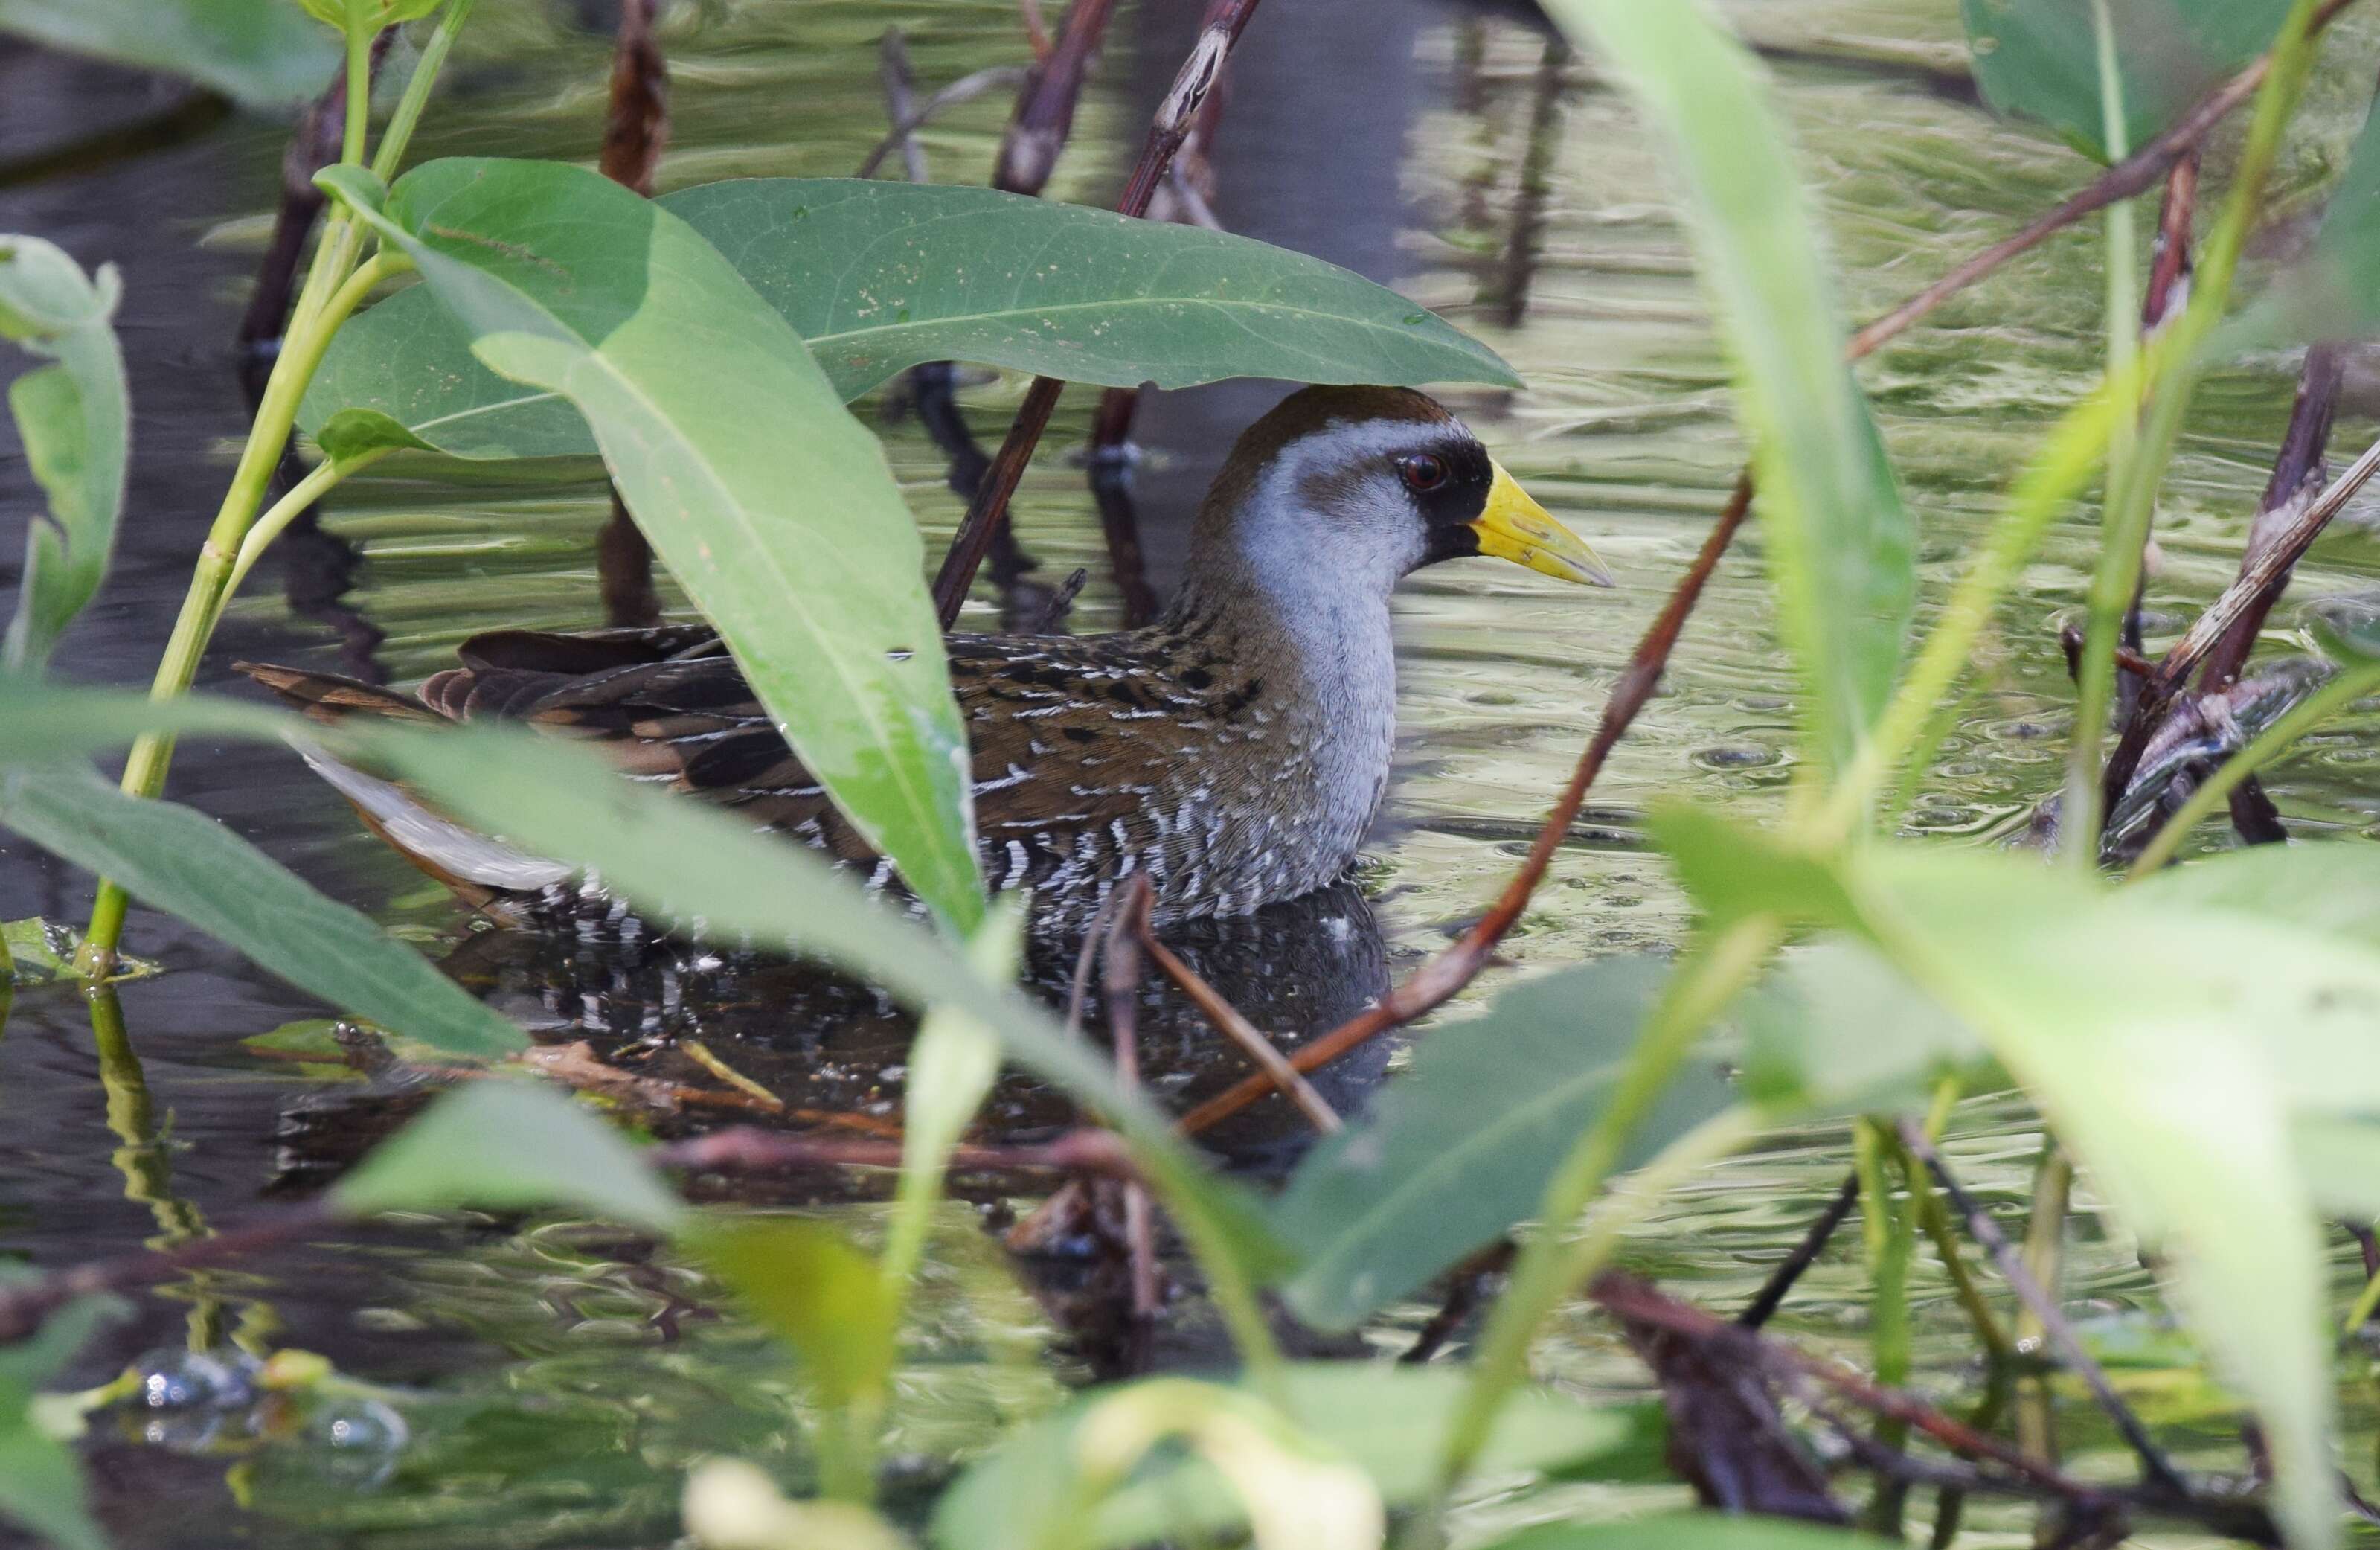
column 329, row 698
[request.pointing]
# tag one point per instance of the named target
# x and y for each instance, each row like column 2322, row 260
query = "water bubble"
column 177, row 1379
column 357, row 1440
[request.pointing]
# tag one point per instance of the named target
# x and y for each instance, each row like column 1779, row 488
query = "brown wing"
column 1077, row 741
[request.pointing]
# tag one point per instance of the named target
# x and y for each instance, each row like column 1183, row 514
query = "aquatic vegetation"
column 2199, row 1037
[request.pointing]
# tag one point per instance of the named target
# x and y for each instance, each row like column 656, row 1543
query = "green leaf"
column 367, row 15
column 1690, row 1530
column 74, row 418
column 2169, row 1047
column 264, row 53
column 767, row 499
column 808, row 1285
column 682, row 860
column 953, row 1063
column 1811, row 1036
column 506, row 1144
column 42, row 952
column 2331, row 887
column 351, row 432
column 2038, row 59
column 186, row 863
column 2332, row 291
column 1390, row 1422
column 1732, row 869
column 40, row 1479
column 879, row 277
column 1459, row 1148
column 1839, row 542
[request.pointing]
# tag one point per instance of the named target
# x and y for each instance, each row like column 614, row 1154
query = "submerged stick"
column 1782, row 1280
column 1175, row 115
column 1120, row 983
column 2158, row 1470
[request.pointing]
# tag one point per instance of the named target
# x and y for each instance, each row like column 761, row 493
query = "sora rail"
column 1233, row 752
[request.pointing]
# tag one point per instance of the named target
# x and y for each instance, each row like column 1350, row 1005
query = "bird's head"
column 1366, row 485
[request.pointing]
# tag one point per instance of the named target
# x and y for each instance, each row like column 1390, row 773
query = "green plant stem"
column 2133, row 484
column 1705, row 979
column 1891, row 1239
column 2068, row 459
column 2350, row 685
column 2366, row 1302
column 360, row 42
column 2044, row 1261
column 324, row 477
column 144, row 771
column 2080, row 841
column 401, row 124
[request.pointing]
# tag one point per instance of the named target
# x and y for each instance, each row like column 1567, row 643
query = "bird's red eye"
column 1423, row 472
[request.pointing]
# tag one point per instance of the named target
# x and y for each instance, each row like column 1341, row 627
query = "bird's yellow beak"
column 1515, row 527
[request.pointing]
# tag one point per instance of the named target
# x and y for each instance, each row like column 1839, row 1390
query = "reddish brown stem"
column 1175, row 116
column 1454, row 967
column 748, row 1149
column 2297, row 474
column 1044, row 118
column 24, row 1304
column 1120, row 983
column 1226, row 1017
column 636, row 130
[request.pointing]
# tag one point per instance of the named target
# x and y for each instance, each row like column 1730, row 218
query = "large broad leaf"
column 263, row 53
column 2039, row 59
column 2333, row 291
column 768, row 501
column 40, row 1479
column 187, row 864
column 1390, row 1422
column 74, row 418
column 879, row 277
column 1840, row 541
column 1811, row 1036
column 2332, row 886
column 509, row 1145
column 1690, row 1530
column 686, row 862
column 1459, row 1149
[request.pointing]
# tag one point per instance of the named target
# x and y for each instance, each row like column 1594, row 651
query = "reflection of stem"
column 2045, row 1260
column 148, row 1171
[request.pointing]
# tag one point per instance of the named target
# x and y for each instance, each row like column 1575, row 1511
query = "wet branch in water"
column 1781, row 1282
column 1185, row 196
column 1175, row 116
column 1120, row 981
column 2155, row 1467
column 2016, row 1473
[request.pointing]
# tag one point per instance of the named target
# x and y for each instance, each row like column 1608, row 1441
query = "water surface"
column 547, row 1386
